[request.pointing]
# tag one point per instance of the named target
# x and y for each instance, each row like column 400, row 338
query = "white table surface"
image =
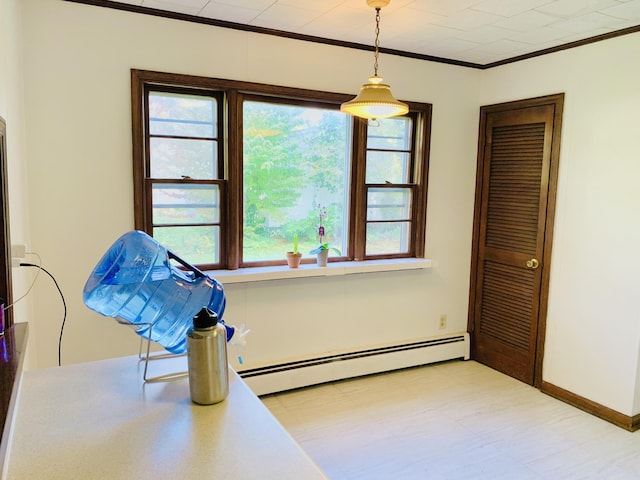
column 99, row 420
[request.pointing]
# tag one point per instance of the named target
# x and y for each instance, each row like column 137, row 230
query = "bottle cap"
column 205, row 318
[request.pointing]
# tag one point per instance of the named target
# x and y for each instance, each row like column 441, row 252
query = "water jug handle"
column 197, row 273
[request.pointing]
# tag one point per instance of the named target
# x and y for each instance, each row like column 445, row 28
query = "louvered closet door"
column 511, row 238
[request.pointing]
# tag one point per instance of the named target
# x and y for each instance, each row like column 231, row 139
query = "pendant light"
column 375, row 99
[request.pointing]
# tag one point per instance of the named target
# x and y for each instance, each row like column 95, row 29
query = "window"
column 295, row 165
column 184, row 180
column 226, row 173
column 388, row 187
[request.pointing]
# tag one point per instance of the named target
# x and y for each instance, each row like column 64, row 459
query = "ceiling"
column 476, row 32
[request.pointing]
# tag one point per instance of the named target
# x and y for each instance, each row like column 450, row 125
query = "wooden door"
column 515, row 197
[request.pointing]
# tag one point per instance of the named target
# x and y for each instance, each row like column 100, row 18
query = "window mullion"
column 357, row 241
column 233, row 172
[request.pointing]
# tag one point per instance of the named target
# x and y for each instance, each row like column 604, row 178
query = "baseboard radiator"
column 314, row 371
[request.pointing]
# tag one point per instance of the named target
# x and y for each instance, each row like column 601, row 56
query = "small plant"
column 293, row 257
column 324, row 246
column 322, row 214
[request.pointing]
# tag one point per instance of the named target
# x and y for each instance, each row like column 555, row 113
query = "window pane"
column 176, row 158
column 388, row 237
column 195, row 245
column 295, row 166
column 185, row 204
column 389, row 151
column 391, row 134
column 388, row 204
column 387, row 167
column 182, row 115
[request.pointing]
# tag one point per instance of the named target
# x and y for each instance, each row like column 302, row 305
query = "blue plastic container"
column 135, row 281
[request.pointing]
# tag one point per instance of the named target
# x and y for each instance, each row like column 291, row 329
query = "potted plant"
column 322, row 250
column 293, row 257
column 322, row 253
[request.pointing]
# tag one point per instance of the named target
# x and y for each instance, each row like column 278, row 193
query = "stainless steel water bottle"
column 207, row 358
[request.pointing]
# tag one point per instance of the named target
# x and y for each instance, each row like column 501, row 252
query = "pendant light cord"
column 375, row 63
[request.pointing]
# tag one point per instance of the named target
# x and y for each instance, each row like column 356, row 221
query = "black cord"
column 64, row 318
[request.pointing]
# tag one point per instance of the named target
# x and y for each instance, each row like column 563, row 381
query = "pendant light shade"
column 375, row 99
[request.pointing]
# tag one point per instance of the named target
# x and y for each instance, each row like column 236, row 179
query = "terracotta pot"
column 293, row 259
column 321, row 258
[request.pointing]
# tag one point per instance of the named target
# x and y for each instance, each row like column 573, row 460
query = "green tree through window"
column 295, row 158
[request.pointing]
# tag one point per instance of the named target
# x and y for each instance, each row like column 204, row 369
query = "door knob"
column 533, row 263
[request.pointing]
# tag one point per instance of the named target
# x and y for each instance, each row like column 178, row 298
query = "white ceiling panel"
column 230, row 13
column 190, row 7
column 508, row 8
column 572, row 8
column 540, row 36
column 627, row 11
column 530, row 19
column 481, row 32
column 590, row 22
column 285, row 17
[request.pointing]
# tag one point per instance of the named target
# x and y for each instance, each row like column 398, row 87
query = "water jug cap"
column 205, row 318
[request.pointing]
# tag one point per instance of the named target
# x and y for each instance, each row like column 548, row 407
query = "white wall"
column 77, row 64
column 76, row 71
column 593, row 322
column 12, row 110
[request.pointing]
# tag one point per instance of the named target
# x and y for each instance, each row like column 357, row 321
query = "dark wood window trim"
column 233, row 93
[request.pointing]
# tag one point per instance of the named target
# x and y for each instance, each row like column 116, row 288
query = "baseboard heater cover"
column 313, row 371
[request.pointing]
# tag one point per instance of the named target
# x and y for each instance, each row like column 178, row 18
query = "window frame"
column 150, row 182
column 230, row 94
column 279, row 100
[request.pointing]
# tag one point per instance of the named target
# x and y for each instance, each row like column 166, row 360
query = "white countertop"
column 99, row 420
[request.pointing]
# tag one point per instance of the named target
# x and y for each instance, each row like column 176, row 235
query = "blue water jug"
column 135, row 281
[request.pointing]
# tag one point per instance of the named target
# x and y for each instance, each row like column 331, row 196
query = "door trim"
column 557, row 100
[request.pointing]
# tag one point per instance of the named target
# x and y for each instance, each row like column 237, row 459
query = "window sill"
column 259, row 274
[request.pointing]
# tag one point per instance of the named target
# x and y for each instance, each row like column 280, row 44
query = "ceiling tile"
column 404, row 21
column 190, row 7
column 250, row 4
column 342, row 23
column 468, row 20
column 443, row 7
column 485, row 34
column 589, row 23
column 527, row 20
column 508, row 8
column 314, row 5
column 538, row 36
column 284, row 17
column 229, row 13
column 452, row 47
column 436, row 33
column 629, row 10
column 571, row 8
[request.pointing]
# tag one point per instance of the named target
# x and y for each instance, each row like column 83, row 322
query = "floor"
column 455, row 420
